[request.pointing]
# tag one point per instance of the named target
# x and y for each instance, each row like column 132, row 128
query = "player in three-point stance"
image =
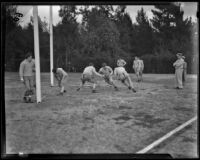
column 123, row 76
column 61, row 76
column 107, row 72
column 88, row 76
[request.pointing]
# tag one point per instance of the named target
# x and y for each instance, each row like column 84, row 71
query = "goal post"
column 51, row 44
column 37, row 54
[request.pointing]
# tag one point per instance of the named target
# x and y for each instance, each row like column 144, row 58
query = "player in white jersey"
column 107, row 72
column 124, row 77
column 138, row 66
column 61, row 76
column 88, row 76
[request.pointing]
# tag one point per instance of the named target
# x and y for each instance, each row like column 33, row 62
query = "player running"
column 107, row 72
column 61, row 76
column 88, row 76
column 124, row 77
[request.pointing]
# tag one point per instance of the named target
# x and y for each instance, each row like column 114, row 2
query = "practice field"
column 108, row 121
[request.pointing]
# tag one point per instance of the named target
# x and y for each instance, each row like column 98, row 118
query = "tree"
column 170, row 27
column 66, row 36
column 144, row 34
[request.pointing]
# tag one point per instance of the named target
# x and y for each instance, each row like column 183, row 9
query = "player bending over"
column 88, row 76
column 124, row 77
column 61, row 76
column 107, row 72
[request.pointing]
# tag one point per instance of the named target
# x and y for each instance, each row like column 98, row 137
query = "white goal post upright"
column 51, row 44
column 37, row 54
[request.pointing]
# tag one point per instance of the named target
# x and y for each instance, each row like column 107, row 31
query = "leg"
column 110, row 81
column 27, row 84
column 137, row 74
column 130, row 84
column 32, row 84
column 93, row 88
column 91, row 80
column 179, row 78
column 141, row 76
column 83, row 80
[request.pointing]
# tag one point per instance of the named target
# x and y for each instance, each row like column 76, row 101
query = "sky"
column 189, row 8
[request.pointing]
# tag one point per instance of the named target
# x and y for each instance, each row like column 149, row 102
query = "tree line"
column 104, row 35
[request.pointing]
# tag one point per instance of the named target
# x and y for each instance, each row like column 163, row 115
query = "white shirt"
column 179, row 63
column 60, row 71
column 138, row 64
column 120, row 72
column 90, row 70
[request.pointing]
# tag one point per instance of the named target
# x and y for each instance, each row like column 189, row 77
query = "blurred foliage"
column 104, row 35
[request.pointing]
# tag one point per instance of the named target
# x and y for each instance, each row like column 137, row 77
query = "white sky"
column 190, row 10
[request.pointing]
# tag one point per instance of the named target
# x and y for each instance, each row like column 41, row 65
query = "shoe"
column 133, row 90
column 129, row 87
column 64, row 91
column 94, row 91
column 116, row 89
column 60, row 94
column 78, row 89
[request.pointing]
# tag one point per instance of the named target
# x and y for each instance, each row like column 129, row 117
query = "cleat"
column 64, row 91
column 60, row 94
column 116, row 89
column 129, row 88
column 94, row 91
column 78, row 89
column 133, row 90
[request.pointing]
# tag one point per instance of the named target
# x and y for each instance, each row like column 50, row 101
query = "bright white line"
column 157, row 142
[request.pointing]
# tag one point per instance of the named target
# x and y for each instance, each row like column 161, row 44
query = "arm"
column 179, row 63
column 100, row 71
column 33, row 65
column 111, row 71
column 142, row 65
column 21, row 71
column 95, row 72
column 133, row 65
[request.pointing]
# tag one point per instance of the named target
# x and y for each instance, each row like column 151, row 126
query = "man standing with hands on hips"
column 179, row 71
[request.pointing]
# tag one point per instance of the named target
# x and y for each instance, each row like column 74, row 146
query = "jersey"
column 61, row 73
column 90, row 70
column 27, row 68
column 107, row 71
column 120, row 73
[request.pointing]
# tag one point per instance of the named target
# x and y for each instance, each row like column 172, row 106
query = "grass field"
column 105, row 122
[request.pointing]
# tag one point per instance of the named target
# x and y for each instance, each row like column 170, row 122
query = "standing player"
column 124, row 77
column 88, row 76
column 107, row 72
column 27, row 76
column 61, row 76
column 179, row 71
column 138, row 67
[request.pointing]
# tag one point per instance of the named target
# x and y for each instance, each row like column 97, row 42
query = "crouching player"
column 61, row 76
column 124, row 77
column 88, row 76
column 107, row 72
